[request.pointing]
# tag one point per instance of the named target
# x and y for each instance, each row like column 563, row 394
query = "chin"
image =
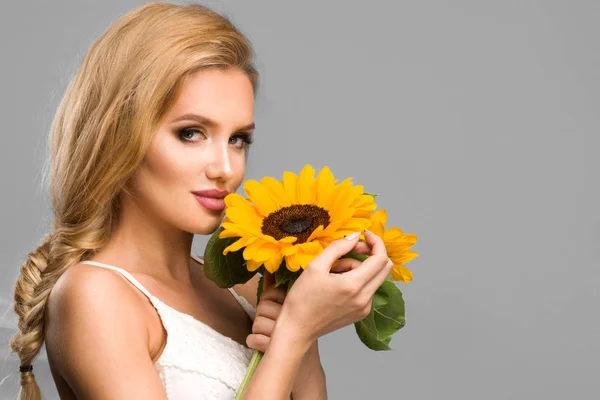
column 207, row 226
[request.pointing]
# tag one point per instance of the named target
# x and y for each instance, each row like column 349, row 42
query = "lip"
column 212, row 193
column 211, row 199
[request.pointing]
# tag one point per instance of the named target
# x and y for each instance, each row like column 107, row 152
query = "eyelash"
column 246, row 138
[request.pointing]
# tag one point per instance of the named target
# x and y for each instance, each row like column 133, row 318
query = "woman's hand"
column 310, row 378
column 320, row 302
column 268, row 310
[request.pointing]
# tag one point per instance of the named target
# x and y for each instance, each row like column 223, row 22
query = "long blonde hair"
column 129, row 79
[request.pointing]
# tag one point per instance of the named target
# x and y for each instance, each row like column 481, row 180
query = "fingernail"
column 352, row 236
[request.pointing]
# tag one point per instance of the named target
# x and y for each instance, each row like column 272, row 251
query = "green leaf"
column 367, row 332
column 385, row 319
column 282, row 275
column 388, row 306
column 225, row 270
column 355, row 255
column 372, row 195
column 260, row 288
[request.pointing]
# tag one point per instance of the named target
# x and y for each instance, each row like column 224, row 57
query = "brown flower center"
column 298, row 220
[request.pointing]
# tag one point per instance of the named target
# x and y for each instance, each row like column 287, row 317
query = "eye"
column 186, row 134
column 241, row 140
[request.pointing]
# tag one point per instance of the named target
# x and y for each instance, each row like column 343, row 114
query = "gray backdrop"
column 477, row 123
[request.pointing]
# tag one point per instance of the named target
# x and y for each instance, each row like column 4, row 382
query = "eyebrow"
column 209, row 122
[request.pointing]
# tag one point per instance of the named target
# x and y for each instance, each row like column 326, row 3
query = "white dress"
column 197, row 362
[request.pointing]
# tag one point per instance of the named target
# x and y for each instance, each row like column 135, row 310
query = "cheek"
column 166, row 165
column 239, row 168
column 163, row 180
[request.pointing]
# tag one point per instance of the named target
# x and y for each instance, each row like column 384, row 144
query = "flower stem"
column 251, row 368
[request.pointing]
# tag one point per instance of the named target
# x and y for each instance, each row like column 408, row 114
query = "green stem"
column 258, row 355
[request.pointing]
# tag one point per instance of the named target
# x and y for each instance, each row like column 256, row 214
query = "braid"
column 30, row 336
column 104, row 124
column 39, row 274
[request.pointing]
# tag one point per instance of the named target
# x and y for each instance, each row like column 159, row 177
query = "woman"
column 152, row 133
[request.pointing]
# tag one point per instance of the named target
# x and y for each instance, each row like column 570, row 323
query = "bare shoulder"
column 95, row 330
column 247, row 290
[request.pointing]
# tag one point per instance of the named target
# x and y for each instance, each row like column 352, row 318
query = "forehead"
column 224, row 96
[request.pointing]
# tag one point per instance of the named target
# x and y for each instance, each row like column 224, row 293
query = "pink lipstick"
column 212, row 199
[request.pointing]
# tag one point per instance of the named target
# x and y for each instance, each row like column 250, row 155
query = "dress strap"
column 126, row 274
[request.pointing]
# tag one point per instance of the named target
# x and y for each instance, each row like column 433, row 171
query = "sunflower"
column 396, row 245
column 293, row 219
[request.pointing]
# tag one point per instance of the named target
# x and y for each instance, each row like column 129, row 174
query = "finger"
column 373, row 265
column 276, row 294
column 264, row 326
column 258, row 342
column 268, row 309
column 333, row 251
column 376, row 243
column 345, row 264
column 268, row 280
column 362, row 248
column 377, row 281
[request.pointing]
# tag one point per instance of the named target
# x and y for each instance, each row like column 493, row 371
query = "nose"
column 220, row 166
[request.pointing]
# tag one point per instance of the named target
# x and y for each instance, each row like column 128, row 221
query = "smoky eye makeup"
column 188, row 134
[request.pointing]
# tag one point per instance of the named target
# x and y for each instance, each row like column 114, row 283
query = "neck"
column 142, row 244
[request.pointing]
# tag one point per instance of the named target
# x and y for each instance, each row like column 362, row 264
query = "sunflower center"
column 298, row 220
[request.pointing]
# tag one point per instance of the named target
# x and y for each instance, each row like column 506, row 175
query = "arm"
column 282, row 359
column 97, row 337
column 310, row 381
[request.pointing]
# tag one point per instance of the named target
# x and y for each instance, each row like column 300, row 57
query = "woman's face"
column 200, row 146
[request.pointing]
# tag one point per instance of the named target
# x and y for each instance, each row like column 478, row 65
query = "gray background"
column 477, row 123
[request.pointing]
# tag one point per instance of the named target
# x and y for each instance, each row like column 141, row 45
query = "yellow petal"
column 325, row 184
column 401, row 273
column 363, row 206
column 289, row 250
column 405, row 257
column 378, row 219
column 395, row 235
column 288, row 239
column 306, row 185
column 305, row 259
column 252, row 265
column 273, row 263
column 305, row 254
column 290, row 181
column 248, row 219
column 237, row 245
column 337, row 197
column 354, row 224
column 265, row 251
column 260, row 198
column 251, row 251
column 236, row 200
column 276, row 191
column 232, row 230
column 292, row 262
column 315, row 233
column 353, row 195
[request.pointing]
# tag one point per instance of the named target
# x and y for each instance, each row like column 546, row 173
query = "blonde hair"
column 129, row 79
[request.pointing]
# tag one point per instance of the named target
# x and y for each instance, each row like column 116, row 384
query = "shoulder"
column 247, row 290
column 84, row 291
column 95, row 327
